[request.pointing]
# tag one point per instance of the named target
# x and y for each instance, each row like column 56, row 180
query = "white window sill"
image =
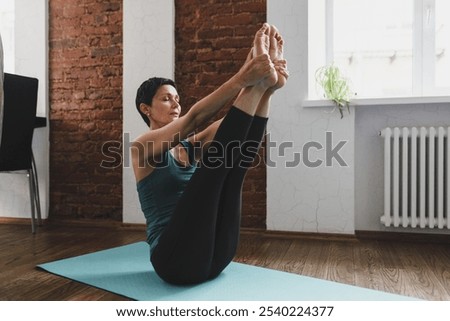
column 381, row 101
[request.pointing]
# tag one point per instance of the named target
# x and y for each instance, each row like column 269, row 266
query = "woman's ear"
column 144, row 108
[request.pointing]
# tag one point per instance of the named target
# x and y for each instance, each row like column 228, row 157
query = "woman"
column 190, row 186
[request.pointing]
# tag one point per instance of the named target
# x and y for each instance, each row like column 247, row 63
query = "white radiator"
column 416, row 179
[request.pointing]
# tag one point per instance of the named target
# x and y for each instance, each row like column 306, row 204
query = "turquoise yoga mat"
column 126, row 270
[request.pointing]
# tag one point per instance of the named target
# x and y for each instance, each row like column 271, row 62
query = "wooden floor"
column 420, row 270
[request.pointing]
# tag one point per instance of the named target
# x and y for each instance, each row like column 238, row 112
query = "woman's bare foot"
column 276, row 55
column 276, row 44
column 261, row 46
column 261, row 43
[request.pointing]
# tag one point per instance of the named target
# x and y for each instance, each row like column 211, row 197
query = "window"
column 442, row 39
column 7, row 32
column 386, row 48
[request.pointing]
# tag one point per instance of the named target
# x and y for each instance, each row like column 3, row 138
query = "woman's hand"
column 283, row 73
column 255, row 70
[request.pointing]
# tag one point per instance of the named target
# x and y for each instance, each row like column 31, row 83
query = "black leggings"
column 202, row 236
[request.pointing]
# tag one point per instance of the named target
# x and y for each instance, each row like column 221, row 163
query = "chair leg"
column 36, row 189
column 32, row 200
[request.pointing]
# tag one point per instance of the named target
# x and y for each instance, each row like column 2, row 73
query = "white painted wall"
column 334, row 199
column 31, row 59
column 148, row 42
column 302, row 198
column 1, row 86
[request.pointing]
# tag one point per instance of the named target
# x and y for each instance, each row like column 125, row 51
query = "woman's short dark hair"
column 147, row 91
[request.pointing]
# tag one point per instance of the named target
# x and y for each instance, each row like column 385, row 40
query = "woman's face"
column 165, row 107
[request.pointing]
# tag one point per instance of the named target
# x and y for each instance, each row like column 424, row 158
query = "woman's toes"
column 261, row 43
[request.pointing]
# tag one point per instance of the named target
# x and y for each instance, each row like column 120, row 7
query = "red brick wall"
column 85, row 81
column 213, row 39
column 85, row 71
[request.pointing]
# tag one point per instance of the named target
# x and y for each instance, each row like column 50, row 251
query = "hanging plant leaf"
column 335, row 87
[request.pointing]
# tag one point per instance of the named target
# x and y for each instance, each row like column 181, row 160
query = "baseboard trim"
column 299, row 235
column 18, row 221
column 403, row 236
column 66, row 222
column 359, row 235
column 106, row 224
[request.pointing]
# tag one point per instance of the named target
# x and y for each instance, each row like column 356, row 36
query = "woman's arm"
column 203, row 139
column 147, row 148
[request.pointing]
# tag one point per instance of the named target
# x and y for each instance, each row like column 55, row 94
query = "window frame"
column 424, row 60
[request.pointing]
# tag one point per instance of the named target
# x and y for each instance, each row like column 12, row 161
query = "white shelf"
column 381, row 101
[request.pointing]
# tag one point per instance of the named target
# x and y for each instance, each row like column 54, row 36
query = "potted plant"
column 335, row 87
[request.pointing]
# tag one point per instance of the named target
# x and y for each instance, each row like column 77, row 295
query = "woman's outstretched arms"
column 147, row 148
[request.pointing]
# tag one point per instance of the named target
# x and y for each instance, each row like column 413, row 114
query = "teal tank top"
column 159, row 192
